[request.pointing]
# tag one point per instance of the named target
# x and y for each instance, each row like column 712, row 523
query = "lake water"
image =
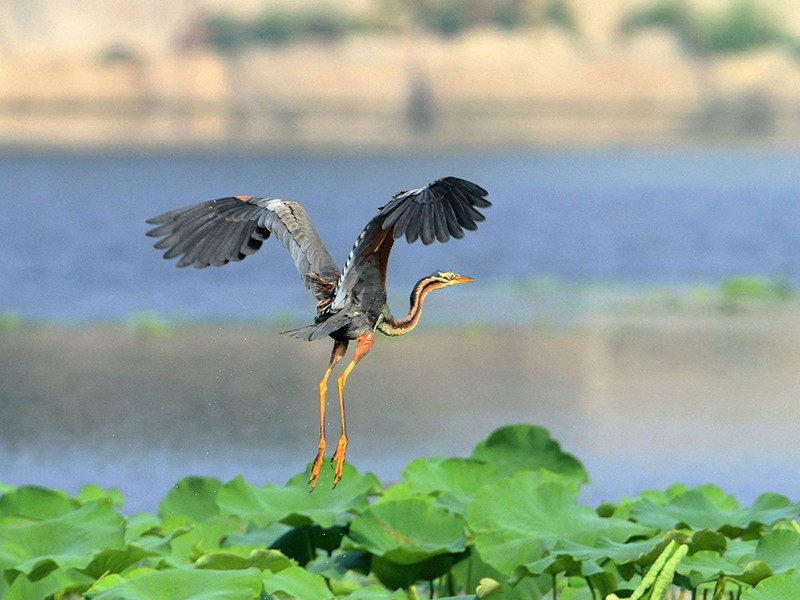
column 643, row 401
column 73, row 227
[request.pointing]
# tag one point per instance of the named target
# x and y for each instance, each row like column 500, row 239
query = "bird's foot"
column 317, row 467
column 338, row 459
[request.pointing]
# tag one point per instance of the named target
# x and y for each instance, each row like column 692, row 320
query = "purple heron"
column 351, row 303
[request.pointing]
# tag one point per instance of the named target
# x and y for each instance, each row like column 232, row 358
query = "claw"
column 317, row 467
column 338, row 458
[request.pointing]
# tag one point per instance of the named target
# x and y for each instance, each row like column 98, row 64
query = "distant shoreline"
column 487, row 89
column 122, row 149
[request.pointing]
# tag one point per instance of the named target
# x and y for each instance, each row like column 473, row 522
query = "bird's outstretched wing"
column 441, row 209
column 436, row 212
column 216, row 232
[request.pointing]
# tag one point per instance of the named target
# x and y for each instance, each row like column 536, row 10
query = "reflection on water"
column 642, row 401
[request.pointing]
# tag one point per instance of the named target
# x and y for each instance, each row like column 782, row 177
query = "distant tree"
column 453, row 17
column 560, row 14
column 737, row 27
column 135, row 63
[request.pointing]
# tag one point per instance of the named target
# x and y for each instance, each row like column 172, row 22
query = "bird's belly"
column 360, row 323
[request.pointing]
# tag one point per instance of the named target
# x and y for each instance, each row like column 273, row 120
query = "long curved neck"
column 392, row 326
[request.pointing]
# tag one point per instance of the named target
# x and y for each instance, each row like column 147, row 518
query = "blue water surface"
column 73, row 226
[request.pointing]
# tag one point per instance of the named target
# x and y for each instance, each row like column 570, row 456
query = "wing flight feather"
column 436, row 212
column 216, row 232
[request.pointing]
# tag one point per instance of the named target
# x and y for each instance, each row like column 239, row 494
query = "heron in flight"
column 351, row 303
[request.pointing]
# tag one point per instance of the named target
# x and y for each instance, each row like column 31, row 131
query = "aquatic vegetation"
column 504, row 523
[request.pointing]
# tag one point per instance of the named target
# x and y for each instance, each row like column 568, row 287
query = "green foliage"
column 524, row 448
column 752, row 287
column 10, row 320
column 445, row 17
column 775, row 588
column 505, row 523
column 280, row 25
column 225, row 34
column 120, row 53
column 742, row 26
column 560, row 14
column 453, row 17
column 150, row 323
column 669, row 14
column 738, row 26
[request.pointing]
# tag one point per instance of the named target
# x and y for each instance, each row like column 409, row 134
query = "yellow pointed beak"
column 462, row 279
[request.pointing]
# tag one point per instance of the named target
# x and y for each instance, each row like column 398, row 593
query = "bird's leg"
column 339, row 349
column 364, row 345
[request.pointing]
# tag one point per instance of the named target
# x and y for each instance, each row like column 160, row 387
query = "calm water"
column 641, row 405
column 73, row 228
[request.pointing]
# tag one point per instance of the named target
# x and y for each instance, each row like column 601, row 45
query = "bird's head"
column 447, row 278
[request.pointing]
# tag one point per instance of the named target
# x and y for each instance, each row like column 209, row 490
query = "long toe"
column 317, row 466
column 338, row 459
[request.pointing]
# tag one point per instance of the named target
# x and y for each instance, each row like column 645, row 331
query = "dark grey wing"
column 441, row 209
column 216, row 232
column 436, row 212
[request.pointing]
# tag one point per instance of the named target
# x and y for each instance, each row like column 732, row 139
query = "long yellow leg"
column 364, row 344
column 339, row 349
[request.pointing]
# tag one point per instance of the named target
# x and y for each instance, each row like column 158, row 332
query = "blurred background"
column 393, row 74
column 635, row 281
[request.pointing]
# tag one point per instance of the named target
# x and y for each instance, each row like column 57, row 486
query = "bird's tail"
column 316, row 331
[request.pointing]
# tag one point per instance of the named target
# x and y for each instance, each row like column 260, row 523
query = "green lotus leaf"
column 396, row 575
column 779, row 587
column 345, row 570
column 741, row 551
column 298, row 584
column 244, row 558
column 468, row 573
column 407, row 531
column 708, row 507
column 301, row 543
column 116, row 560
column 257, row 536
column 769, row 509
column 92, row 493
column 194, row 540
column 193, row 497
column 526, row 448
column 147, row 532
column 780, row 549
column 706, row 539
column 460, row 476
column 623, row 508
column 377, row 592
column 452, row 481
column 517, row 519
column 294, row 505
column 402, row 491
column 185, row 584
column 143, row 524
column 755, row 571
column 707, row 565
column 35, row 502
column 641, row 552
column 777, row 552
column 71, row 540
column 691, row 509
column 57, row 581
